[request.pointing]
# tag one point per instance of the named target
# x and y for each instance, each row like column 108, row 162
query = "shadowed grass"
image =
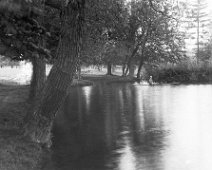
column 16, row 153
column 13, row 105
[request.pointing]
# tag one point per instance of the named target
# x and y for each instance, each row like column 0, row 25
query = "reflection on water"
column 133, row 127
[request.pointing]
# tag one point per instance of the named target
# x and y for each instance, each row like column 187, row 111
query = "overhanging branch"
column 159, row 11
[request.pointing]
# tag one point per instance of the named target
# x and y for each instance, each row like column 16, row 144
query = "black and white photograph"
column 105, row 85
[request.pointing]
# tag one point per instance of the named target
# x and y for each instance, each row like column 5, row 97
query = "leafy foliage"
column 23, row 31
column 114, row 31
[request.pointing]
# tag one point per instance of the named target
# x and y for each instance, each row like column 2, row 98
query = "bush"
column 182, row 73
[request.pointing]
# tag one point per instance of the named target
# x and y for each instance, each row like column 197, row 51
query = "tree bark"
column 61, row 75
column 38, row 77
column 109, row 68
column 131, row 69
column 123, row 68
column 79, row 71
column 129, row 59
column 139, row 69
column 126, row 70
column 142, row 58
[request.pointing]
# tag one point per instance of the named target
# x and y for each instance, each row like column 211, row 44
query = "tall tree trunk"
column 129, row 60
column 124, row 66
column 131, row 69
column 109, row 68
column 141, row 60
column 142, row 57
column 79, row 72
column 38, row 77
column 126, row 69
column 139, row 68
column 61, row 75
column 123, row 69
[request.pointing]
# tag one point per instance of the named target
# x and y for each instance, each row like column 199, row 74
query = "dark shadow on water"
column 95, row 127
column 118, row 126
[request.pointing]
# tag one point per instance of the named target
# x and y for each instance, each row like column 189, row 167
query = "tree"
column 61, row 75
column 24, row 37
column 153, row 33
column 205, row 52
column 71, row 21
column 104, row 30
column 199, row 23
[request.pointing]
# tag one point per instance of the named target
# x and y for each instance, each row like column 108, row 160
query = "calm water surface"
column 134, row 127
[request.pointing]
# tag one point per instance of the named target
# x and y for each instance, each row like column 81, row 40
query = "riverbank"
column 108, row 78
column 16, row 153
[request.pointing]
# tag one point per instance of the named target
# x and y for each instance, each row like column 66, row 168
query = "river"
column 134, row 127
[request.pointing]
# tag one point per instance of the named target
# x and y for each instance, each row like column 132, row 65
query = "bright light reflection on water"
column 127, row 160
column 134, row 127
column 87, row 92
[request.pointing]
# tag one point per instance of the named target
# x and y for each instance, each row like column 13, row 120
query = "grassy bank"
column 108, row 78
column 16, row 153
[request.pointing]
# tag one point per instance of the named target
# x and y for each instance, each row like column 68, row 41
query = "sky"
column 209, row 5
column 190, row 43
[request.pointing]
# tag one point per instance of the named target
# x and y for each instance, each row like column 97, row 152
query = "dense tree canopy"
column 23, row 31
column 116, row 28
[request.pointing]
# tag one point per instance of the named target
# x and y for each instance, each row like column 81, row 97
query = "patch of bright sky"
column 190, row 43
column 209, row 2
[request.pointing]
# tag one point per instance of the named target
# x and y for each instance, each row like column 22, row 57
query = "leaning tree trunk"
column 61, row 75
column 126, row 70
column 38, row 77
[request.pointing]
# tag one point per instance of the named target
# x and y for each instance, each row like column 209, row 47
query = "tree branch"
column 152, row 6
column 39, row 49
column 54, row 4
column 158, row 11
